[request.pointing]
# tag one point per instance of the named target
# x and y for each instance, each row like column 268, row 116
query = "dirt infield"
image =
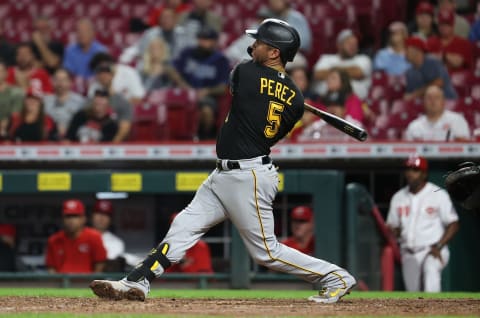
column 243, row 307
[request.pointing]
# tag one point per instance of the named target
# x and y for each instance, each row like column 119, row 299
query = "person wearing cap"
column 282, row 9
column 77, row 248
column 425, row 71
column 11, row 100
column 455, row 51
column 423, row 26
column 64, row 103
column 461, row 25
column 102, row 221
column 391, row 59
column 27, row 74
column 358, row 66
column 237, row 50
column 31, row 123
column 205, row 69
column 167, row 29
column 301, row 226
column 7, row 248
column 438, row 123
column 197, row 258
column 116, row 78
column 423, row 218
column 200, row 16
column 96, row 122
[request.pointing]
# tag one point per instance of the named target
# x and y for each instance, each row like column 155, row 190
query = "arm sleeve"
column 98, row 249
column 365, row 64
column 324, row 63
column 68, row 62
column 49, row 257
column 447, row 212
column 409, row 133
column 392, row 216
column 137, row 88
column 461, row 129
column 123, row 109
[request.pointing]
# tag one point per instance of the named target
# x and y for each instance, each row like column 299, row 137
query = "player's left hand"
column 435, row 251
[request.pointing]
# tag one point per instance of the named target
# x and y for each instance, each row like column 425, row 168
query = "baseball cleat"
column 337, row 285
column 118, row 290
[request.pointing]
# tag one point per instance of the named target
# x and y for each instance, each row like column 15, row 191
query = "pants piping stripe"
column 265, row 240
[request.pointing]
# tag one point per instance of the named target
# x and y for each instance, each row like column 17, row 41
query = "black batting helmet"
column 280, row 35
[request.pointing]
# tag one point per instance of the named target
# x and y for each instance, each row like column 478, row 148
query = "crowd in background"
column 419, row 86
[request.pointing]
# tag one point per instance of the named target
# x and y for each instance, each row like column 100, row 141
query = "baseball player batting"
column 265, row 106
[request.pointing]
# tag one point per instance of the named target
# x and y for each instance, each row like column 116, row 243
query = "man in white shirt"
column 422, row 216
column 116, row 78
column 358, row 66
column 101, row 221
column 437, row 124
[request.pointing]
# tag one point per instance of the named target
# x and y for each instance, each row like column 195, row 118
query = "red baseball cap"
column 302, row 213
column 446, row 17
column 103, row 206
column 73, row 207
column 424, row 7
column 417, row 162
column 8, row 230
column 416, row 42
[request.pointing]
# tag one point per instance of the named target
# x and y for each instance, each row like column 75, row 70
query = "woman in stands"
column 338, row 82
column 31, row 123
column 156, row 66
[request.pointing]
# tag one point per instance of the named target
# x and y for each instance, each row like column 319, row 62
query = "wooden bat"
column 339, row 123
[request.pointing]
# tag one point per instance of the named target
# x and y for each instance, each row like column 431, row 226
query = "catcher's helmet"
column 280, row 35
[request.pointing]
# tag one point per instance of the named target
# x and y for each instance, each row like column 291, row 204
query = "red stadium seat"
column 145, row 125
column 461, row 82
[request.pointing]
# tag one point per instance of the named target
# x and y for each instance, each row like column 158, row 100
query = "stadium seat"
column 145, row 126
column 461, row 82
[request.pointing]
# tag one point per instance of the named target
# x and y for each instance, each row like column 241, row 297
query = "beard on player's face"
column 416, row 179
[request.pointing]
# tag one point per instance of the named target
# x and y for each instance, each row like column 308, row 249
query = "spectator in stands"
column 78, row 55
column 456, row 52
column 200, row 16
column 474, row 35
column 11, row 100
column 95, row 123
column 437, row 124
column 31, row 123
column 8, row 253
column 7, row 49
column 425, row 71
column 157, row 69
column 302, row 228
column 392, row 59
column 197, row 259
column 179, row 6
column 76, row 248
column 237, row 50
column 424, row 25
column 320, row 130
column 102, row 221
column 27, row 74
column 47, row 51
column 116, row 78
column 167, row 29
column 64, row 103
column 205, row 69
column 281, row 9
column 300, row 77
column 338, row 82
column 358, row 66
column 461, row 25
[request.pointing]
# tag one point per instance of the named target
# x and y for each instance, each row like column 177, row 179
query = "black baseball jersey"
column 266, row 104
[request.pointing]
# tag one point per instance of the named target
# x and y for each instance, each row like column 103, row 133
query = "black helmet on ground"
column 278, row 34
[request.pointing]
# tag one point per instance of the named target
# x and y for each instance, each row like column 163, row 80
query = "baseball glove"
column 463, row 185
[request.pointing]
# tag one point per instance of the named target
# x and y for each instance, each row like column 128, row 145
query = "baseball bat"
column 339, row 123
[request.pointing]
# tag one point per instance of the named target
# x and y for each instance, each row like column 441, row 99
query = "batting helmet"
column 417, row 162
column 280, row 35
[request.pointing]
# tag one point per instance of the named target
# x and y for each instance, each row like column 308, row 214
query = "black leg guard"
column 146, row 268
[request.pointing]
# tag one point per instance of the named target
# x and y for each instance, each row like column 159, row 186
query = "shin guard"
column 152, row 266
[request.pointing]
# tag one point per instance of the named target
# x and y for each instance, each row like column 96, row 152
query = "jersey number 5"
column 274, row 117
